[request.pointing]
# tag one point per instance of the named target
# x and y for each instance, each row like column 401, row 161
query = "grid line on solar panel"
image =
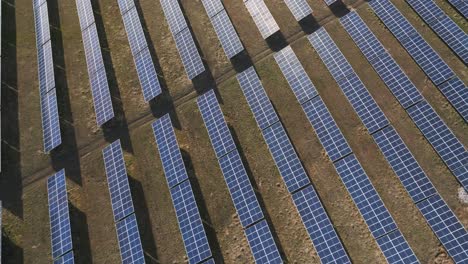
column 461, row 6
column 190, row 223
column 174, row 16
column 219, row 133
column 134, row 30
column 396, row 249
column 262, row 17
column 262, row 244
column 189, row 55
column 442, row 139
column 390, row 72
column 41, row 17
column 85, row 13
column 128, row 236
column 285, row 157
column 319, row 227
column 50, row 121
column 117, row 180
column 295, row 75
column 169, row 152
column 257, row 99
column 66, row 259
column 147, row 74
column 213, row 7
column 60, row 230
column 299, row 8
column 101, row 96
column 240, row 188
column 411, row 175
column 227, row 35
column 326, row 129
column 446, row 226
column 444, row 27
column 45, row 68
column 364, row 195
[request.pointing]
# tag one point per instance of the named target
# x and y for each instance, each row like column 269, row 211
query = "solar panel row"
column 226, row 32
column 48, row 98
column 128, row 236
column 461, row 6
column 262, row 17
column 429, row 61
column 443, row 26
column 185, row 44
column 60, row 230
column 353, row 176
column 183, row 199
column 313, row 214
column 96, row 71
column 436, row 131
column 299, row 8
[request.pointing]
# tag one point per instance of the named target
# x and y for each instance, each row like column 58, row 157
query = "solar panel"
column 262, row 243
column 41, row 17
column 461, row 6
column 295, row 74
column 128, row 236
column 50, row 121
column 189, row 54
column 396, row 249
column 364, row 195
column 257, row 99
column 390, row 72
column 60, row 230
column 66, row 259
column 92, row 49
column 174, row 16
column 125, row 5
column 85, row 13
column 117, row 180
column 457, row 93
column 326, row 129
column 299, row 8
column 446, row 226
column 213, row 7
column 241, row 190
column 413, row 178
column 285, row 157
column 318, row 226
column 442, row 139
column 37, row 3
column 262, row 17
column 135, row 34
column 329, row 2
column 169, row 152
column 443, row 26
column 45, row 68
column 227, row 34
column 101, row 96
column 209, row 261
column 147, row 75
column 219, row 133
column 190, row 223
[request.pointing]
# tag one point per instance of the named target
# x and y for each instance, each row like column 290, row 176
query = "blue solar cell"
column 299, row 8
column 85, row 13
column 257, row 99
column 135, row 34
column 413, row 178
column 45, row 68
column 443, row 26
column 101, row 96
column 447, row 227
column 219, row 133
column 396, row 249
column 147, row 75
column 174, row 16
column 363, row 103
column 392, row 75
column 66, row 259
column 318, row 225
column 169, row 151
column 213, row 7
column 41, row 17
column 50, row 121
column 330, row 54
column 262, row 17
column 227, row 34
column 131, row 251
column 117, row 180
column 442, row 139
column 60, row 230
column 262, row 244
column 295, row 74
column 125, row 5
column 285, row 157
column 240, row 188
column 189, row 54
column 364, row 195
column 326, row 129
column 457, row 93
column 461, row 6
column 190, row 223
